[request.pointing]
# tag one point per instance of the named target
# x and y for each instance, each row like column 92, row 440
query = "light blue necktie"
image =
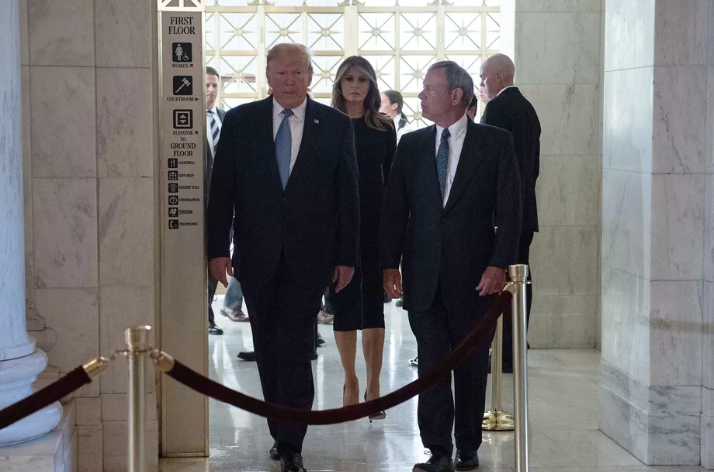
column 442, row 160
column 283, row 147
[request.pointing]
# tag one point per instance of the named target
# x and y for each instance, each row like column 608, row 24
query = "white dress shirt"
column 208, row 127
column 456, row 144
column 297, row 124
column 404, row 130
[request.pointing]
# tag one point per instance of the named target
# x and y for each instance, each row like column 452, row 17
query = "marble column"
column 707, row 418
column 20, row 361
column 656, row 166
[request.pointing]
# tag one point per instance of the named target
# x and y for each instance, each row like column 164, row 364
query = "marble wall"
column 657, row 155
column 707, row 416
column 558, row 68
column 89, row 197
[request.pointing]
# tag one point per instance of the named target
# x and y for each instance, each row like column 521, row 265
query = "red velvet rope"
column 45, row 397
column 480, row 336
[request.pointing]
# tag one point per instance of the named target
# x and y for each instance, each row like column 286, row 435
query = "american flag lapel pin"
column 317, row 122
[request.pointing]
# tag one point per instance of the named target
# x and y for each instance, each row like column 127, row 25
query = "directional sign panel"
column 183, row 262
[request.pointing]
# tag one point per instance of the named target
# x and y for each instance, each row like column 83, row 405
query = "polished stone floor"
column 563, row 415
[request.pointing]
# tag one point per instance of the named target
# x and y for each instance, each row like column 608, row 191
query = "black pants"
column 524, row 248
column 283, row 317
column 212, row 285
column 438, row 331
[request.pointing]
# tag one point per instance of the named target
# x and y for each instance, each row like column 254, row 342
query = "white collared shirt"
column 505, row 88
column 456, row 144
column 208, row 127
column 297, row 124
column 403, row 130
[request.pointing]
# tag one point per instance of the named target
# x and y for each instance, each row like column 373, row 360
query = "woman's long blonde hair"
column 372, row 102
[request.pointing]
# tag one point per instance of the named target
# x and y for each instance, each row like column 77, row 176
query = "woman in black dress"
column 360, row 305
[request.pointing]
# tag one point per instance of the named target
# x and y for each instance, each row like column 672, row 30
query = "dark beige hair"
column 290, row 49
column 372, row 116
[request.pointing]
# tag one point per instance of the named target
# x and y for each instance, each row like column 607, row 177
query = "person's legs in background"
column 233, row 301
column 524, row 246
column 327, row 313
column 212, row 327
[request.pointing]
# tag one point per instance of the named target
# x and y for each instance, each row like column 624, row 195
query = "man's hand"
column 492, row 281
column 393, row 283
column 342, row 276
column 219, row 267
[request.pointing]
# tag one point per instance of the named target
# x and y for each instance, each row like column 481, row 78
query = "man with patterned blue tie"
column 287, row 167
column 214, row 120
column 450, row 184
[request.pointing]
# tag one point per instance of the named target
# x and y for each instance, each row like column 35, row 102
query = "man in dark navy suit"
column 450, row 184
column 508, row 109
column 214, row 120
column 287, row 167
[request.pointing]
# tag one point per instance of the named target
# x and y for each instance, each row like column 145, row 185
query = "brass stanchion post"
column 137, row 348
column 496, row 419
column 519, row 278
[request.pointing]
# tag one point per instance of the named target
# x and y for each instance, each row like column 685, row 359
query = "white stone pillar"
column 20, row 361
column 656, row 235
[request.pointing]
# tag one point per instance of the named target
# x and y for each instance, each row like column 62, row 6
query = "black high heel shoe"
column 382, row 415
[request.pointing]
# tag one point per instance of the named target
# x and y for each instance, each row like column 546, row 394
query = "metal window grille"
column 401, row 38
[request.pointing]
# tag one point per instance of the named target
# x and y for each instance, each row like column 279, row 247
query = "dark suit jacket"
column 514, row 113
column 208, row 161
column 313, row 224
column 451, row 244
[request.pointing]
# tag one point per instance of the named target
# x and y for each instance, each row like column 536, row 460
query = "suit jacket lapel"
column 428, row 175
column 264, row 127
column 310, row 131
column 470, row 159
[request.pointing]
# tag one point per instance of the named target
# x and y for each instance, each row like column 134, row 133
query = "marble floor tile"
column 562, row 414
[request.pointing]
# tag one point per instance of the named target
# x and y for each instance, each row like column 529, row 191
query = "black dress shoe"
column 274, row 454
column 319, row 342
column 214, row 330
column 466, row 460
column 247, row 356
column 437, row 463
column 291, row 462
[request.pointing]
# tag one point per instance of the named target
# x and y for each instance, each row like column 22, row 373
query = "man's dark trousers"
column 524, row 246
column 283, row 318
column 439, row 330
column 212, row 286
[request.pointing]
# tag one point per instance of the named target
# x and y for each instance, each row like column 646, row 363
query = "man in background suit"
column 450, row 184
column 214, row 120
column 287, row 167
column 510, row 110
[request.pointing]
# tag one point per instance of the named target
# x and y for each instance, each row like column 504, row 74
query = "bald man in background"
column 508, row 109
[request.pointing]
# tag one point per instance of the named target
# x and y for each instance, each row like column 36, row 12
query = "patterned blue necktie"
column 215, row 132
column 442, row 160
column 283, row 147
